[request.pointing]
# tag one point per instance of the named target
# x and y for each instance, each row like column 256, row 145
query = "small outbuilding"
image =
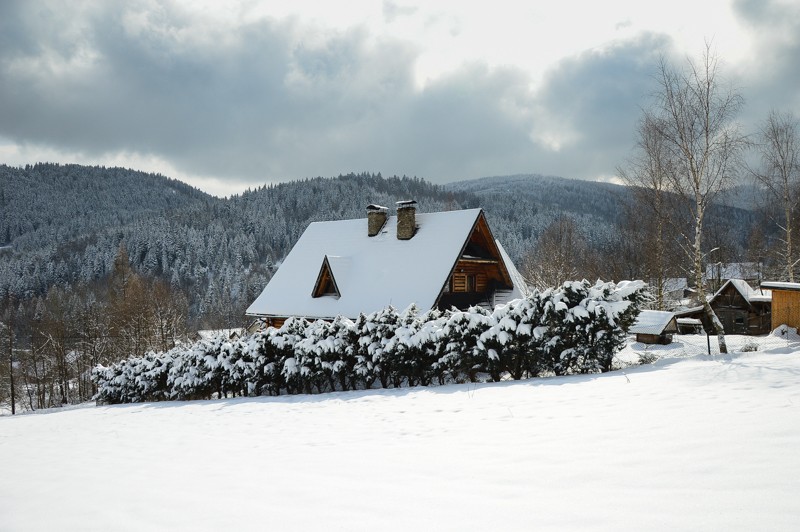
column 654, row 327
column 740, row 308
column 785, row 303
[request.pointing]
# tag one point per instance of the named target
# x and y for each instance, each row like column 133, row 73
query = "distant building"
column 717, row 274
column 207, row 334
column 435, row 260
column 677, row 292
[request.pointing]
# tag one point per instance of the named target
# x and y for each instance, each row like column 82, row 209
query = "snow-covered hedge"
column 575, row 328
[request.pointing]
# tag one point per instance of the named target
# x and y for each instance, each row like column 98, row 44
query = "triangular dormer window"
column 326, row 284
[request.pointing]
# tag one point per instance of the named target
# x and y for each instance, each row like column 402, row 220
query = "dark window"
column 328, row 289
column 471, row 284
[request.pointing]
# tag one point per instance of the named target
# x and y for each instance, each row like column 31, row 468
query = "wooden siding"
column 482, row 272
column 785, row 308
column 663, row 339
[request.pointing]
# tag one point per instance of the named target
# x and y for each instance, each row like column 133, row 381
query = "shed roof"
column 775, row 285
column 371, row 272
column 653, row 322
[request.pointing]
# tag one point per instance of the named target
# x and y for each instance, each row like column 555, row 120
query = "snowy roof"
column 732, row 270
column 750, row 294
column 370, row 272
column 520, row 285
column 689, row 321
column 774, row 285
column 652, row 322
column 689, row 311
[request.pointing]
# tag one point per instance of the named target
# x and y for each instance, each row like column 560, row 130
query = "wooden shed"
column 785, row 303
column 741, row 309
column 654, row 327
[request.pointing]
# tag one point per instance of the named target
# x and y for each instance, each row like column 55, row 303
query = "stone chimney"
column 376, row 218
column 406, row 219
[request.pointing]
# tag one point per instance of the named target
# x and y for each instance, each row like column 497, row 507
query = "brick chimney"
column 406, row 219
column 376, row 218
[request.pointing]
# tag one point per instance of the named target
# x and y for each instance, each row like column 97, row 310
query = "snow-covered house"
column 654, row 327
column 741, row 308
column 435, row 260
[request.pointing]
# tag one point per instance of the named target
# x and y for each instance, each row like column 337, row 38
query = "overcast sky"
column 226, row 95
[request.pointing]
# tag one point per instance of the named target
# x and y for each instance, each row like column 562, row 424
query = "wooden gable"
column 479, row 267
column 730, row 297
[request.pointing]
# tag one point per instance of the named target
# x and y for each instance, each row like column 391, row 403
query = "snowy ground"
column 699, row 443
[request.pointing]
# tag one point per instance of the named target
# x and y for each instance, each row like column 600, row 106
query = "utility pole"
column 11, row 351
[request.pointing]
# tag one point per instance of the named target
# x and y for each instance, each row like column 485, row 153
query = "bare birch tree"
column 694, row 114
column 648, row 174
column 780, row 175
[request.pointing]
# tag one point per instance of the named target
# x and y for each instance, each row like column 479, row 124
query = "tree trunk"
column 11, row 357
column 698, row 267
column 717, row 325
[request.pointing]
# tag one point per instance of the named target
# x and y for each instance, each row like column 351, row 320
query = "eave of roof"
column 779, row 285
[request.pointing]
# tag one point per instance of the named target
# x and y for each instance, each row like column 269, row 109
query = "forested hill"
column 521, row 207
column 46, row 202
column 63, row 225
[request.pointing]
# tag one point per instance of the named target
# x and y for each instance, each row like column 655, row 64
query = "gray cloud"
column 277, row 100
column 772, row 81
column 597, row 98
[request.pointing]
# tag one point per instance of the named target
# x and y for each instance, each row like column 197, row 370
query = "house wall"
column 785, row 308
column 482, row 273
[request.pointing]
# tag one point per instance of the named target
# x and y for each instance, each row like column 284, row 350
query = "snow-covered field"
column 698, row 443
